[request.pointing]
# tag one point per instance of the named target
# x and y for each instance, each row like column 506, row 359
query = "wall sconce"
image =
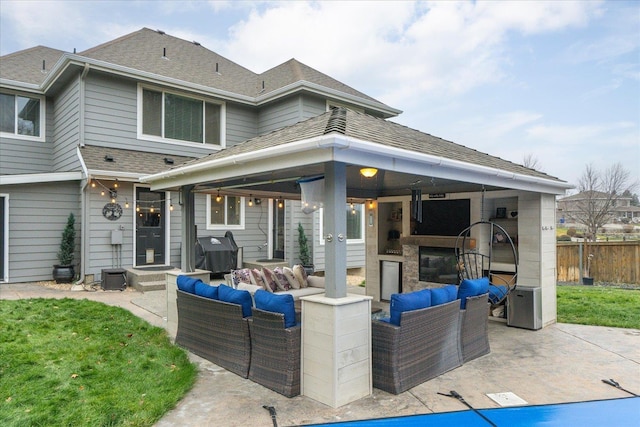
column 368, row 172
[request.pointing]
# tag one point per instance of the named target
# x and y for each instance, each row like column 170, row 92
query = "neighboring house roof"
column 127, row 161
column 358, row 139
column 27, row 65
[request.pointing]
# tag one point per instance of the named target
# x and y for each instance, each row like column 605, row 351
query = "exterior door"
column 278, row 229
column 150, row 227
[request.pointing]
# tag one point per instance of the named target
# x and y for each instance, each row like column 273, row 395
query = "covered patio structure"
column 336, row 145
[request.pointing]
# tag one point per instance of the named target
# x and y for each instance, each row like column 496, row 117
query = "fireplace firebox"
column 437, row 265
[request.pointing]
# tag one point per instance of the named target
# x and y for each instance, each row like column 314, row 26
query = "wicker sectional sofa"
column 423, row 343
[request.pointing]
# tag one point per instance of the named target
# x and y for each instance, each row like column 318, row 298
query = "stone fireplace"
column 428, row 261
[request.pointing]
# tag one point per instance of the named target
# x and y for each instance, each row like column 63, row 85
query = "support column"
column 188, row 258
column 336, row 327
column 335, row 229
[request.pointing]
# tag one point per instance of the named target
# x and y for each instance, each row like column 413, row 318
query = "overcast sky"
column 558, row 81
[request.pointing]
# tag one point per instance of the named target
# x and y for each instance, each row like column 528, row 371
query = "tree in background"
column 531, row 162
column 599, row 192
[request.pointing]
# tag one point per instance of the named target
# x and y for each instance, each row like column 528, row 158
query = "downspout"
column 85, row 180
column 83, row 215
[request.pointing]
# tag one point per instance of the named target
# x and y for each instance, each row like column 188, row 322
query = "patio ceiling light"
column 368, row 172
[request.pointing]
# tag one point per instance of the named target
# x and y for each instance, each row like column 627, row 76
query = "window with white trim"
column 225, row 212
column 170, row 116
column 22, row 116
column 355, row 223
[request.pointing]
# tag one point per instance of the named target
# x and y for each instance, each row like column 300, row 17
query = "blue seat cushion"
column 497, row 293
column 268, row 301
column 236, row 296
column 207, row 291
column 408, row 302
column 444, row 295
column 472, row 288
column 187, row 283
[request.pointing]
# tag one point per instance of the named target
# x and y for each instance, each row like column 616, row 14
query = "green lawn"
column 82, row 363
column 599, row 305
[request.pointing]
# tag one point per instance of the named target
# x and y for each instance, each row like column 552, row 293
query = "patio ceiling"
column 270, row 165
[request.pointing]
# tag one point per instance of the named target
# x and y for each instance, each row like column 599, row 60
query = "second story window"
column 21, row 116
column 170, row 116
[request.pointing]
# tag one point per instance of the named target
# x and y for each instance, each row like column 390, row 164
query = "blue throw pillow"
column 236, row 296
column 407, row 302
column 472, row 288
column 496, row 293
column 444, row 295
column 187, row 283
column 207, row 291
column 268, row 301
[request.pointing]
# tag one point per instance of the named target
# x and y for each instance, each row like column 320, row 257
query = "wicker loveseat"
column 215, row 330
column 434, row 331
column 425, row 345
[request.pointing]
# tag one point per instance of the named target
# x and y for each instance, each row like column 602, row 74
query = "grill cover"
column 217, row 254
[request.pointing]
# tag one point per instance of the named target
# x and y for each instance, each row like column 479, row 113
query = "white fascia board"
column 107, row 174
column 323, row 90
column 335, row 147
column 37, row 178
column 21, row 86
column 314, row 150
column 371, row 154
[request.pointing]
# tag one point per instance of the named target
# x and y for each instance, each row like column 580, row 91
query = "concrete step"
column 157, row 285
column 147, row 280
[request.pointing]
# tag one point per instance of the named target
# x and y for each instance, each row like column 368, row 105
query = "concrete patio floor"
column 560, row 363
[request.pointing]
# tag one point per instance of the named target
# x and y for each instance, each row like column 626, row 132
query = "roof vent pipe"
column 217, row 68
column 43, row 67
column 164, row 52
column 160, row 32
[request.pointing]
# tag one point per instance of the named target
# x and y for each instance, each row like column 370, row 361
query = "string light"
column 218, row 197
column 280, row 203
column 250, row 201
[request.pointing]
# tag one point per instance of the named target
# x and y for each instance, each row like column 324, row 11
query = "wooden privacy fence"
column 616, row 262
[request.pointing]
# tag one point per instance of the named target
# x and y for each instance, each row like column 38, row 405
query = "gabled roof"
column 168, row 56
column 27, row 65
column 153, row 55
column 293, row 71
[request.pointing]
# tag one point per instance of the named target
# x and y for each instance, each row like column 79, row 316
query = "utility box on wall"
column 114, row 279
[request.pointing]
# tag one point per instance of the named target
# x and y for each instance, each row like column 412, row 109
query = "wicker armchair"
column 275, row 353
column 425, row 345
column 214, row 330
column 474, row 324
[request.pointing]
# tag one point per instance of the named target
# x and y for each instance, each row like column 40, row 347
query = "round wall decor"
column 112, row 211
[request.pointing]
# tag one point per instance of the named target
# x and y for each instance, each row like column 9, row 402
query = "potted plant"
column 64, row 272
column 305, row 258
column 587, row 279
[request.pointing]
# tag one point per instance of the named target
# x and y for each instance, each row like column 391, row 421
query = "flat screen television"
column 444, row 217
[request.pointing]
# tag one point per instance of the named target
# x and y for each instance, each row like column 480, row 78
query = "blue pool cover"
column 623, row 412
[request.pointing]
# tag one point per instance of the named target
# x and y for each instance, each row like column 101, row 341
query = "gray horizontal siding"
column 313, row 106
column 66, row 114
column 22, row 156
column 279, row 114
column 242, row 124
column 37, row 216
